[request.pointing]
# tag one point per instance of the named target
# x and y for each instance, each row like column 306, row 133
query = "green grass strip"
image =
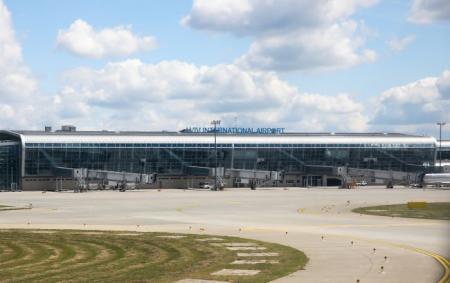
column 436, row 210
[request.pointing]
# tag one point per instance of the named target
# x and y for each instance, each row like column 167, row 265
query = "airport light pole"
column 11, row 181
column 440, row 124
column 215, row 123
column 142, row 161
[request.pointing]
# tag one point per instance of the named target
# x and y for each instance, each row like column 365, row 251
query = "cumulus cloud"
column 326, row 113
column 325, row 48
column 429, row 11
column 243, row 17
column 16, row 80
column 399, row 44
column 83, row 40
column 17, row 84
column 289, row 34
column 443, row 85
column 175, row 94
column 425, row 101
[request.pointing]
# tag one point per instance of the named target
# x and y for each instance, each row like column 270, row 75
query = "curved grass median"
column 436, row 210
column 7, row 207
column 96, row 256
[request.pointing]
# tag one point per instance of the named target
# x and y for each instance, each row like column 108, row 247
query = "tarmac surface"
column 342, row 246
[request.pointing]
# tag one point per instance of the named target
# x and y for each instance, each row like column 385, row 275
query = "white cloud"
column 443, row 85
column 419, row 103
column 315, row 112
column 16, row 81
column 429, row 11
column 289, row 34
column 399, row 44
column 264, row 16
column 174, row 94
column 83, row 40
column 331, row 47
column 17, row 84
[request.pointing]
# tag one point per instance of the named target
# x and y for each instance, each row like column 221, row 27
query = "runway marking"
column 444, row 262
column 440, row 259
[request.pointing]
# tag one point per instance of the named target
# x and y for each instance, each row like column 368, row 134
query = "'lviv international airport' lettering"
column 235, row 130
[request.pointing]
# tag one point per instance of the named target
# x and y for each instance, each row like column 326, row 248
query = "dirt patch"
column 240, row 244
column 236, row 272
column 246, row 248
column 171, row 236
column 90, row 233
column 42, row 232
column 199, row 281
column 256, row 254
column 254, row 261
column 212, row 239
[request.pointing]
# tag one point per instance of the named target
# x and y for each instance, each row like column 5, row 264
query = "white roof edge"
column 444, row 143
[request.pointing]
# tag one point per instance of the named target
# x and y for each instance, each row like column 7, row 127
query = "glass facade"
column 176, row 159
column 9, row 165
column 444, row 153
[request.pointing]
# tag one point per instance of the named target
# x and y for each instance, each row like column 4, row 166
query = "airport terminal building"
column 36, row 160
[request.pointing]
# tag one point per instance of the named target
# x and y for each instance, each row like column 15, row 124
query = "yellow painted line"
column 373, row 225
column 181, row 209
column 440, row 259
column 444, row 262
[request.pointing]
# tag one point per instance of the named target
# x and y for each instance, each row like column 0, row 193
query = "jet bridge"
column 374, row 176
column 255, row 177
column 118, row 180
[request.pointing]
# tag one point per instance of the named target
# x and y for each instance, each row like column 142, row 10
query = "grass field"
column 94, row 256
column 437, row 210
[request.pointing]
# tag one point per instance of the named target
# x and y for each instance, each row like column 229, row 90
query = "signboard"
column 235, row 130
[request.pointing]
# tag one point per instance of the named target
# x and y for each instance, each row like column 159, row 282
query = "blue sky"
column 306, row 65
column 37, row 32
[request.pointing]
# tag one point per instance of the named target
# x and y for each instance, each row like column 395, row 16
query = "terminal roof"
column 165, row 137
column 174, row 133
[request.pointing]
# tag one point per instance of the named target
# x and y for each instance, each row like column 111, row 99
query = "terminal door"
column 312, row 181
